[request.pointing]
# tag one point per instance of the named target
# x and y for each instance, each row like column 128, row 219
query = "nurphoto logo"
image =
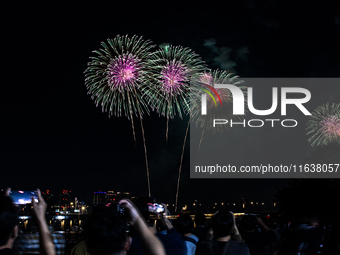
column 239, row 105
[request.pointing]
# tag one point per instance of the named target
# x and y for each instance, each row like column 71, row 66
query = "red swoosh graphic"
column 214, row 90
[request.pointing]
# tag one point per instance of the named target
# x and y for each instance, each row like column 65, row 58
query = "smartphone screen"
column 155, row 208
column 23, row 197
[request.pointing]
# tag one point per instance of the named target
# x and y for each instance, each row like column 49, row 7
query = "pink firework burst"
column 123, row 72
column 206, row 78
column 173, row 77
column 116, row 77
column 324, row 125
column 215, row 109
column 330, row 127
column 173, row 69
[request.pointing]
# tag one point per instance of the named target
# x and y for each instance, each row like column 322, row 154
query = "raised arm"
column 164, row 218
column 46, row 240
column 262, row 224
column 236, row 232
column 150, row 243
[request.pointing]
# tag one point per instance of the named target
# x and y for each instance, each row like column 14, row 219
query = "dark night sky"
column 53, row 136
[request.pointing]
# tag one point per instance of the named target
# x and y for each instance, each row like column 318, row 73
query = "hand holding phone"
column 39, row 207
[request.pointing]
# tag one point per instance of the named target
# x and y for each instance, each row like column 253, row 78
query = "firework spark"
column 324, row 125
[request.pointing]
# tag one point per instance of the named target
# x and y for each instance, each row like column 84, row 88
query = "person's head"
column 249, row 223
column 8, row 221
column 185, row 224
column 200, row 219
column 222, row 224
column 106, row 232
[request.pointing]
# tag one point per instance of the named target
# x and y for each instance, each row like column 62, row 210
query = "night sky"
column 53, row 136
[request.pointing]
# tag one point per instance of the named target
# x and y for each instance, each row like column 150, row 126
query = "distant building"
column 99, row 197
column 48, row 196
column 65, row 200
column 103, row 197
column 49, row 199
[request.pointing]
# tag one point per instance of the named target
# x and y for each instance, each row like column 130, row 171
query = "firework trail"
column 216, row 110
column 324, row 125
column 115, row 79
column 180, row 165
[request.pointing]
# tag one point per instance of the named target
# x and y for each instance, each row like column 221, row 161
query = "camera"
column 22, row 197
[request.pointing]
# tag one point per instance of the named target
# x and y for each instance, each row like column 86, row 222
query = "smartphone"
column 22, row 197
column 155, row 208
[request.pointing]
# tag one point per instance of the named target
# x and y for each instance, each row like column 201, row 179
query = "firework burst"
column 173, row 68
column 115, row 77
column 216, row 110
column 324, row 125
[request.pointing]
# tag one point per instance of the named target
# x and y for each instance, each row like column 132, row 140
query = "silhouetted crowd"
column 133, row 228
